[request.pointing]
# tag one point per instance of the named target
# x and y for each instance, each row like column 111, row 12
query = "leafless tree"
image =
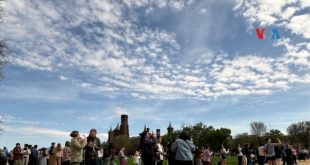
column 258, row 129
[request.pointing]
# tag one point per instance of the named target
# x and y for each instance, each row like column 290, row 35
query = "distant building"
column 123, row 130
column 170, row 128
column 119, row 130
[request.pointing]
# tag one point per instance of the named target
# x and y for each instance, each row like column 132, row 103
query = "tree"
column 244, row 138
column 258, row 129
column 120, row 142
column 202, row 135
column 199, row 133
column 273, row 134
column 217, row 137
column 168, row 138
column 299, row 133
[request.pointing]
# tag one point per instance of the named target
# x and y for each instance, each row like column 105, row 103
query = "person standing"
column 278, row 154
column 11, row 158
column 5, row 155
column 66, row 154
column 34, row 155
column 270, row 151
column 183, row 148
column 247, row 154
column 294, row 154
column 52, row 155
column 77, row 145
column 2, row 157
column 171, row 154
column 148, row 145
column 207, row 155
column 122, row 157
column 223, row 155
column 92, row 148
column 17, row 151
column 137, row 158
column 198, row 155
column 288, row 155
column 239, row 154
column 160, row 153
column 58, row 154
column 261, row 154
column 26, row 152
column 42, row 157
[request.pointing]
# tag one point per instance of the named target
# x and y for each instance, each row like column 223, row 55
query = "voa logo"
column 261, row 31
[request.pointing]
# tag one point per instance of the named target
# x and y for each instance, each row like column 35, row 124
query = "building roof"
column 170, row 127
column 117, row 127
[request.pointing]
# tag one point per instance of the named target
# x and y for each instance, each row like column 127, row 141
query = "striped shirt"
column 66, row 153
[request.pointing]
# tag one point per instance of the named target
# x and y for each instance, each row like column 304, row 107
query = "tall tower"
column 124, row 128
column 158, row 133
column 170, row 128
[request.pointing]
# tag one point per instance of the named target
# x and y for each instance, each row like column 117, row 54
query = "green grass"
column 231, row 160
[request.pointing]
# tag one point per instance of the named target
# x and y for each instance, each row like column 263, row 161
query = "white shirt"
column 100, row 154
column 26, row 153
column 239, row 151
column 261, row 151
column 161, row 150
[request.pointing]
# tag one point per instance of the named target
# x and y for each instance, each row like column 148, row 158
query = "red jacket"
column 17, row 153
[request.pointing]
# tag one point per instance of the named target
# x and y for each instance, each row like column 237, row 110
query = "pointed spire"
column 169, row 127
column 144, row 127
column 117, row 127
column 111, row 130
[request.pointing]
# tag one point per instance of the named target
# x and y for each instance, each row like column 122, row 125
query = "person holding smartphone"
column 92, row 148
column 77, row 145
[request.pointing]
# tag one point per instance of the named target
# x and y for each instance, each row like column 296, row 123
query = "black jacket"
column 92, row 152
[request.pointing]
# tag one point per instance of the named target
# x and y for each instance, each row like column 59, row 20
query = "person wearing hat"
column 92, row 148
column 17, row 151
column 77, row 145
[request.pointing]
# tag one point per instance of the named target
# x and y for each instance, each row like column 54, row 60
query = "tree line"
column 297, row 134
column 201, row 134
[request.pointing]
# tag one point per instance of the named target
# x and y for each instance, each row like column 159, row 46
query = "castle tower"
column 124, row 128
column 170, row 128
column 158, row 133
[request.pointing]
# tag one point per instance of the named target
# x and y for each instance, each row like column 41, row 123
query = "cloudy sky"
column 80, row 64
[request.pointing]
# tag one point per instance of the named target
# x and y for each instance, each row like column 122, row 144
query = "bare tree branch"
column 258, row 129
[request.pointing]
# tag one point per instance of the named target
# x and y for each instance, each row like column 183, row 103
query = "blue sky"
column 80, row 65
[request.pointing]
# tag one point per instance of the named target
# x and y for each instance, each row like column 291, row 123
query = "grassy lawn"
column 232, row 160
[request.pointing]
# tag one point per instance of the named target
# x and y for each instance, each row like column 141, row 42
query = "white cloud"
column 202, row 11
column 276, row 13
column 121, row 111
column 35, row 93
column 43, row 132
column 61, row 77
column 300, row 25
column 116, row 56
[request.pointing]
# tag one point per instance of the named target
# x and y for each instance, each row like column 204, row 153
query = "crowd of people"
column 276, row 153
column 80, row 149
column 180, row 151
